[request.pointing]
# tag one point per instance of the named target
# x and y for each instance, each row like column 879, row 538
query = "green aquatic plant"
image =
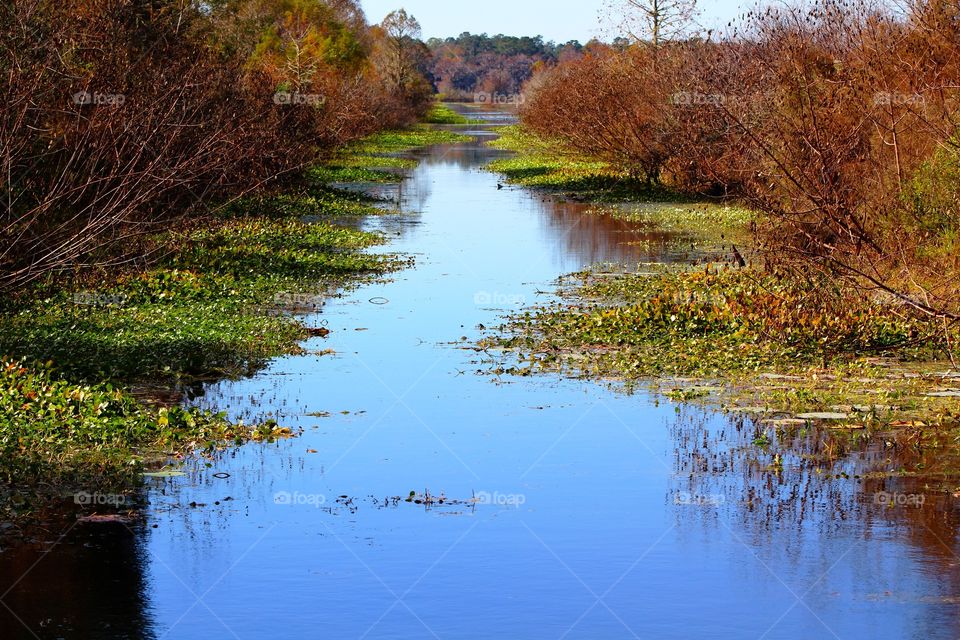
column 793, row 347
column 547, row 165
column 217, row 307
column 404, row 141
column 87, row 435
column 442, row 114
column 713, row 321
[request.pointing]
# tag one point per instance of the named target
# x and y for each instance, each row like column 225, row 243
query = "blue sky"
column 559, row 20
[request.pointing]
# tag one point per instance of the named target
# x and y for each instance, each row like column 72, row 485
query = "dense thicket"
column 837, row 121
column 121, row 115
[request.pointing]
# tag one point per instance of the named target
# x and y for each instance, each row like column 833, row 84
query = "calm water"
column 601, row 515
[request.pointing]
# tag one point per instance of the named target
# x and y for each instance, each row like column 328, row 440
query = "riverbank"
column 721, row 329
column 534, row 163
column 94, row 369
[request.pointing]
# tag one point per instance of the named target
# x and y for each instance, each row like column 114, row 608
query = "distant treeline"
column 469, row 64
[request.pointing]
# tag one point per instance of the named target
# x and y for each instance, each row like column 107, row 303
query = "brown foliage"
column 837, row 121
column 122, row 115
column 597, row 105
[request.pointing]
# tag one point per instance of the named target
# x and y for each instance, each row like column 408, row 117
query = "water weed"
column 768, row 341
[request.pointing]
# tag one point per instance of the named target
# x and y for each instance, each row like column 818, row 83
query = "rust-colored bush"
column 836, row 120
column 609, row 104
column 122, row 115
column 851, row 104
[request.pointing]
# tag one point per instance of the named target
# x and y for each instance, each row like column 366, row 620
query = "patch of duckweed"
column 792, row 355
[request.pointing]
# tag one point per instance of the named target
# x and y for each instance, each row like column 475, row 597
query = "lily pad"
column 164, row 474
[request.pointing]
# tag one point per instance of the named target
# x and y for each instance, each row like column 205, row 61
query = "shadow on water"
column 87, row 582
column 571, row 510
